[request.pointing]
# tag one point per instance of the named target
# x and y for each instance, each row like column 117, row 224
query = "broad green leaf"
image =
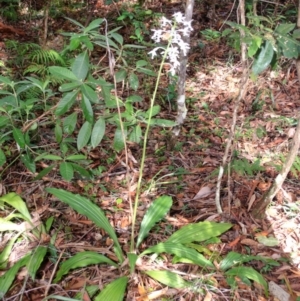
column 66, row 102
column 98, row 132
column 2, row 157
column 296, row 34
column 66, row 171
column 84, row 135
column 69, row 123
column 4, row 121
column 35, row 260
column 62, row 73
column 288, row 47
column 141, row 63
column 58, row 133
column 5, row 80
column 80, row 66
column 90, row 93
column 155, row 110
column 133, row 81
column 180, row 251
column 254, row 45
column 114, row 291
column 136, row 134
column 119, row 139
column 264, row 58
column 87, row 109
column 81, row 260
column 285, row 28
column 19, row 137
column 198, row 232
column 7, row 279
column 117, row 37
column 134, row 98
column 146, row 71
column 93, row 25
column 169, row 278
column 121, row 75
column 28, row 161
column 15, row 201
column 155, row 213
column 250, row 273
column 85, row 207
column 6, row 225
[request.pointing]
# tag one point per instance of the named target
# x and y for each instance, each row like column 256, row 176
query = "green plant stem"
column 138, row 189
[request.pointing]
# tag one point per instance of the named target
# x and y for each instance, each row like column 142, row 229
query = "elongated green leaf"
column 88, row 92
column 6, row 225
column 155, row 213
column 5, row 253
column 155, row 111
column 133, row 81
column 28, row 161
column 180, row 251
column 198, row 232
column 136, row 134
column 80, row 66
column 35, row 261
column 98, row 132
column 49, row 157
column 132, row 257
column 87, row 109
column 141, row 63
column 250, row 273
column 44, row 172
column 113, row 291
column 19, row 137
column 7, row 279
column 70, row 86
column 264, row 58
column 93, row 25
column 118, row 139
column 84, row 135
column 15, row 201
column 80, row 260
column 66, row 171
column 121, row 75
column 76, row 157
column 58, row 133
column 66, row 102
column 169, row 278
column 69, row 123
column 62, row 73
column 285, row 28
column 83, row 172
column 85, row 207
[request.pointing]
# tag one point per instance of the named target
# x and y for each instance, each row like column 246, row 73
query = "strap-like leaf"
column 180, row 251
column 169, row 278
column 155, row 213
column 198, row 232
column 114, row 291
column 35, row 261
column 81, row 260
column 85, row 207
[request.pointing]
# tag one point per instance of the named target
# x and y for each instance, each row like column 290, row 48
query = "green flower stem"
column 138, row 189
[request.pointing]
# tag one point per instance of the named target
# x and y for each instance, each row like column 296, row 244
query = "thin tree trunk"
column 181, row 107
column 259, row 210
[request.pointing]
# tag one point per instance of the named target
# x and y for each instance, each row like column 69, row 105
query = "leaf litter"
column 186, row 171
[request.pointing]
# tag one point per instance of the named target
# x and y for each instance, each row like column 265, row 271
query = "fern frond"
column 46, row 57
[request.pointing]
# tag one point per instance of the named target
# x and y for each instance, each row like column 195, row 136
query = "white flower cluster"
column 174, row 30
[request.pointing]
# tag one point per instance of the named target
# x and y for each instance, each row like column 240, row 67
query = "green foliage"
column 268, row 39
column 243, row 166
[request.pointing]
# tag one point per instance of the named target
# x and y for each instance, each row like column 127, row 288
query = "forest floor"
column 186, row 169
